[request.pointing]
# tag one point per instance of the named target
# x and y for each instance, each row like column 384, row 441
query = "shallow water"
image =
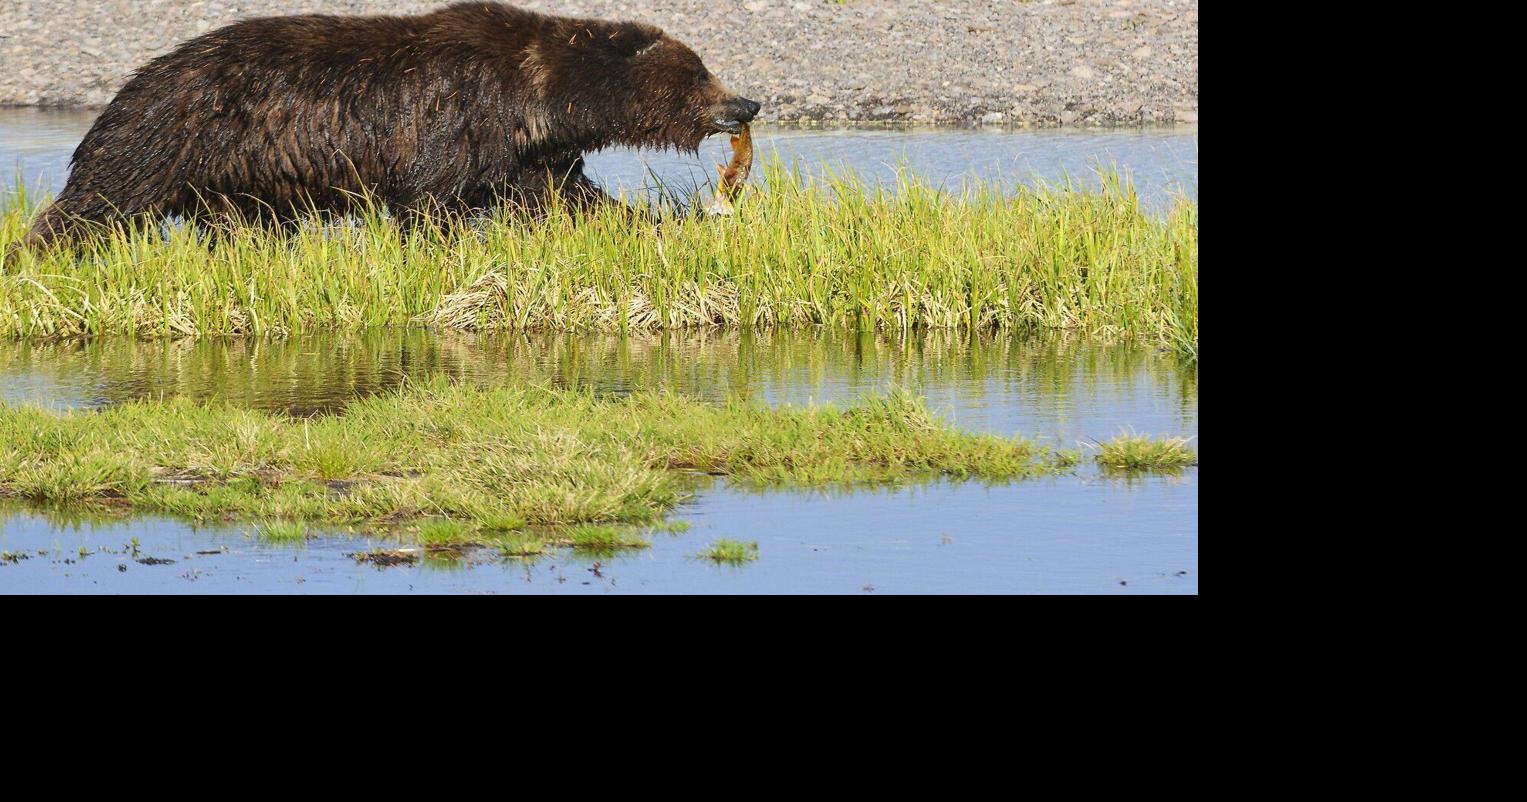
column 1087, row 533
column 1060, row 390
column 1069, row 535
column 1163, row 162
column 1077, row 534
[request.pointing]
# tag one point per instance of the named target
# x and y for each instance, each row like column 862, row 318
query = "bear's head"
column 631, row 84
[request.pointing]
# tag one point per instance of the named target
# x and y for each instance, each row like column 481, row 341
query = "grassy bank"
column 799, row 253
column 520, row 467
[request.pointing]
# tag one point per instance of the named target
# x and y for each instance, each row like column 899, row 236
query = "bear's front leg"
column 583, row 194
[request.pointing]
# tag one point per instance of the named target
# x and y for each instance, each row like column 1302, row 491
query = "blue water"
column 1068, row 535
column 37, row 143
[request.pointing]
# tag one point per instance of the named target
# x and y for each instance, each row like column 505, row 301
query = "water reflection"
column 1058, row 387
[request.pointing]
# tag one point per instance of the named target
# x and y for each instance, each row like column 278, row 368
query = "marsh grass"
column 1129, row 451
column 831, row 252
column 284, row 531
column 604, row 539
column 444, row 533
column 730, row 552
column 523, row 547
column 450, row 465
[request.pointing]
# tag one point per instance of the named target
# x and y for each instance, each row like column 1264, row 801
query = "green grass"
column 799, row 253
column 604, row 539
column 1139, row 452
column 729, row 552
column 671, row 527
column 444, row 533
column 525, row 547
column 284, row 531
column 454, row 464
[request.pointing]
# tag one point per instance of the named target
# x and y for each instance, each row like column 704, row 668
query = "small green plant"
column 671, row 527
column 521, row 547
column 1138, row 452
column 500, row 522
column 332, row 461
column 730, row 552
column 604, row 538
column 284, row 531
column 444, row 533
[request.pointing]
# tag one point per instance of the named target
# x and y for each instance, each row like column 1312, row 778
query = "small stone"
column 1099, row 57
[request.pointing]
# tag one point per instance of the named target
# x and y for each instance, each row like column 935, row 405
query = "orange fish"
column 733, row 175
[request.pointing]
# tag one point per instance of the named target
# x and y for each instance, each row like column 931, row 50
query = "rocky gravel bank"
column 999, row 62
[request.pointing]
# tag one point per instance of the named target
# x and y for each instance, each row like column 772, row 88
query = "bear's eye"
column 703, row 75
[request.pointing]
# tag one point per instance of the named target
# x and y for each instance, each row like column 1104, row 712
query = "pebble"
column 951, row 62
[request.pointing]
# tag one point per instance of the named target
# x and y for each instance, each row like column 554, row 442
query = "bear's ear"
column 633, row 38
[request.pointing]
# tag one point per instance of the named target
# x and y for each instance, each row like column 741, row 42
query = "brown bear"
column 450, row 111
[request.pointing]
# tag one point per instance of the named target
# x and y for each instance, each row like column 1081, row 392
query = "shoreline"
column 905, row 126
column 962, row 64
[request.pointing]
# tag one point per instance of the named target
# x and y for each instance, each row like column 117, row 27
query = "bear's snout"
column 733, row 113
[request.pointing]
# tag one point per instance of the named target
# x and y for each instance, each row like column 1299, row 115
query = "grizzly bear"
column 451, row 111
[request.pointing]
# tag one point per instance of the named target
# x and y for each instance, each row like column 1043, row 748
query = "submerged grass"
column 831, row 252
column 450, row 465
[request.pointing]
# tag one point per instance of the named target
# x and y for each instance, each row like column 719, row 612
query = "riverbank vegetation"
column 833, row 252
column 448, row 465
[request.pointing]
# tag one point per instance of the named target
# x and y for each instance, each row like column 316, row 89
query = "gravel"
column 1007, row 62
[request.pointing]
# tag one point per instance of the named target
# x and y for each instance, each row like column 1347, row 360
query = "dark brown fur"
column 449, row 111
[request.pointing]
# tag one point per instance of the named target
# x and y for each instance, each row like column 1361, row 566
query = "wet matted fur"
column 454, row 110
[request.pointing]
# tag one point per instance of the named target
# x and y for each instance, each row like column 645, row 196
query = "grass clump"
column 1141, row 452
column 452, row 464
column 444, row 533
column 799, row 253
column 525, row 547
column 284, row 531
column 604, row 539
column 730, row 552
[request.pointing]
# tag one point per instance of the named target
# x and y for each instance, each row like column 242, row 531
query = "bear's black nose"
column 741, row 109
column 734, row 113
